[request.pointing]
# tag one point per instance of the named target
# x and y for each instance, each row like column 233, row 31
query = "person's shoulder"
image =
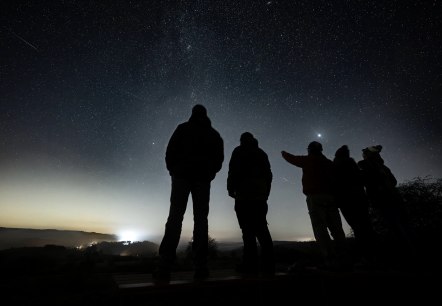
column 386, row 168
column 179, row 131
column 215, row 133
column 264, row 153
column 259, row 149
column 323, row 157
column 214, row 130
column 183, row 125
column 351, row 162
column 237, row 150
column 328, row 161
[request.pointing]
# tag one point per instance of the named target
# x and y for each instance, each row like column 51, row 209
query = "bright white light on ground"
column 128, row 235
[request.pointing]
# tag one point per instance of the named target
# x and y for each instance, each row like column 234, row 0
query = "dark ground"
column 305, row 287
column 59, row 276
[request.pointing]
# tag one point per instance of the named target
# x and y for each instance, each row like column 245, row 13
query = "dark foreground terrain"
column 303, row 288
column 55, row 275
column 308, row 287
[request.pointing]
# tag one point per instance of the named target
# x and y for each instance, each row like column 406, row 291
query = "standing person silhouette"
column 381, row 187
column 352, row 200
column 317, row 176
column 194, row 156
column 249, row 182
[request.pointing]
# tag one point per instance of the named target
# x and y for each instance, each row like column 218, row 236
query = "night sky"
column 91, row 91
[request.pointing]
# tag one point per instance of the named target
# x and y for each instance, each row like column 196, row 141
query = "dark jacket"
column 347, row 178
column 195, row 150
column 250, row 175
column 378, row 179
column 316, row 172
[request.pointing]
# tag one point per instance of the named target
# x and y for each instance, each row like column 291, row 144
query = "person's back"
column 347, row 177
column 249, row 183
column 316, row 170
column 378, row 179
column 380, row 184
column 351, row 199
column 194, row 155
column 195, row 150
column 249, row 175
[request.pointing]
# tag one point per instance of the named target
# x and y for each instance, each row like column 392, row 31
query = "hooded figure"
column 347, row 180
column 249, row 183
column 194, row 156
column 380, row 185
column 195, row 150
column 378, row 179
column 249, row 176
column 351, row 199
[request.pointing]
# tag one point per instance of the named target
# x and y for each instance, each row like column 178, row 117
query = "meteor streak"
column 25, row 41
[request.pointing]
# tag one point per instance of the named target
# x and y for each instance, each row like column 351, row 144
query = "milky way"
column 91, row 93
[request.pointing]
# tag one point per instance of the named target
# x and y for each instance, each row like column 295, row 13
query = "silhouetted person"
column 352, row 200
column 249, row 182
column 380, row 185
column 194, row 156
column 317, row 176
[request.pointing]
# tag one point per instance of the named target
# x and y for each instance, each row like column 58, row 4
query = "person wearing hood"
column 249, row 182
column 317, row 185
column 194, row 156
column 352, row 201
column 383, row 194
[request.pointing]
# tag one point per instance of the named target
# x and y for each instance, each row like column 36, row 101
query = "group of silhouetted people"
column 194, row 156
column 342, row 185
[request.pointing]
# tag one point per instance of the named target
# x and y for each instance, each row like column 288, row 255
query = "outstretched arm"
column 293, row 159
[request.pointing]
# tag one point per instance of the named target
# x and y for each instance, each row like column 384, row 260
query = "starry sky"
column 91, row 91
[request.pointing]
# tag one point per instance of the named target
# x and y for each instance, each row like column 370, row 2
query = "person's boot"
column 162, row 273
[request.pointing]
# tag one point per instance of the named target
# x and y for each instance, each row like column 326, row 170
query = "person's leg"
column 265, row 240
column 347, row 207
column 200, row 197
column 341, row 259
column 250, row 248
column 318, row 218
column 365, row 236
column 178, row 203
column 333, row 219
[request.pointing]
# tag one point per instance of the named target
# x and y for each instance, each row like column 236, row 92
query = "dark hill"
column 23, row 237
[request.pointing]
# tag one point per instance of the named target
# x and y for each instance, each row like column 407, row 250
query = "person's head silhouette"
column 314, row 147
column 373, row 151
column 342, row 152
column 199, row 111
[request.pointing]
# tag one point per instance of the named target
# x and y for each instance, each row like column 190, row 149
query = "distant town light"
column 128, row 235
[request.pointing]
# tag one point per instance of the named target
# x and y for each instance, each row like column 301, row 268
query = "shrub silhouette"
column 423, row 203
column 213, row 248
